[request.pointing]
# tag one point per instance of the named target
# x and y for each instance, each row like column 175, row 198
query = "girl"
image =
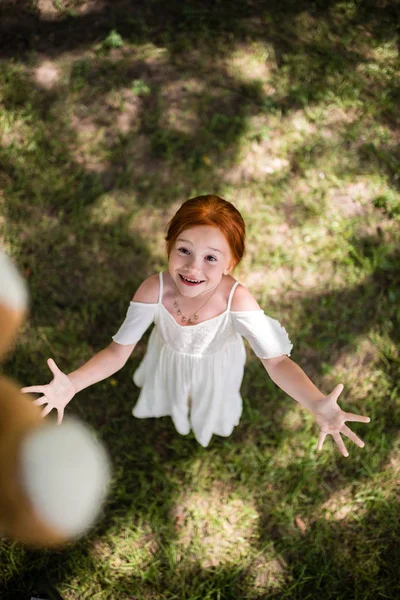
column 193, row 367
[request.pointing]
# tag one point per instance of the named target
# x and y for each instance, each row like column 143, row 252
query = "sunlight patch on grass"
column 89, row 138
column 293, row 420
column 268, row 572
column 48, row 9
column 46, row 75
column 351, row 366
column 125, row 106
column 341, row 505
column 252, row 62
column 352, row 199
column 85, row 7
column 353, row 503
column 215, row 526
column 260, row 154
column 384, row 344
column 256, row 165
column 110, row 207
column 300, row 123
column 152, row 53
column 377, row 74
column 15, row 132
column 393, row 463
column 386, row 51
column 132, row 550
column 151, row 222
column 179, row 99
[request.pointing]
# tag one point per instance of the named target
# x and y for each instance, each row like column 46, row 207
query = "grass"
column 111, row 116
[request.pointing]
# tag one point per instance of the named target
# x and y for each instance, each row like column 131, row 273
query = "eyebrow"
column 189, row 242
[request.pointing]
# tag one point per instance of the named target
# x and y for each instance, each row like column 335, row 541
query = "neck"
column 197, row 295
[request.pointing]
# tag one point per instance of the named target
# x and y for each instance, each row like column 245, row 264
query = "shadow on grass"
column 150, row 463
column 24, row 28
column 203, row 131
column 351, row 558
column 82, row 273
column 343, row 557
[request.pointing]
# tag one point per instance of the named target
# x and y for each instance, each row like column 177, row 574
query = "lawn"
column 112, row 114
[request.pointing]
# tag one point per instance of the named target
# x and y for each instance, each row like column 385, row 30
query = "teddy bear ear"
column 13, row 302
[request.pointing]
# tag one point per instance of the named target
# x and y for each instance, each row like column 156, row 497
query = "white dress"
column 193, row 374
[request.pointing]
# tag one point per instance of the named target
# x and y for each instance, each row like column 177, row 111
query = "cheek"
column 176, row 259
column 213, row 268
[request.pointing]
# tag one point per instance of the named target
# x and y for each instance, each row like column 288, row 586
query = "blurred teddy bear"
column 53, row 478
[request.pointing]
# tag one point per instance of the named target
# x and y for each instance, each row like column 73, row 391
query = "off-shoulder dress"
column 193, row 373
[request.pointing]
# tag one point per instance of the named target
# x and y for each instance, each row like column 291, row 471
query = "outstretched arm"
column 60, row 391
column 267, row 335
column 102, row 365
column 329, row 416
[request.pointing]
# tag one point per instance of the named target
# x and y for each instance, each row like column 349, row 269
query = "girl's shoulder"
column 149, row 290
column 243, row 300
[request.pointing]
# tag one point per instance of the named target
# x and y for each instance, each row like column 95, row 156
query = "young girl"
column 193, row 367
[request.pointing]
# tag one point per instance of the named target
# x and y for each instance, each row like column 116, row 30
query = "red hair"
column 212, row 211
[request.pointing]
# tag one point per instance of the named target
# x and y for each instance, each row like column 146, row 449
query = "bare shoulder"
column 148, row 291
column 243, row 300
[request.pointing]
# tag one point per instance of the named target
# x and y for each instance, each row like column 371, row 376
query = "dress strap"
column 231, row 294
column 161, row 288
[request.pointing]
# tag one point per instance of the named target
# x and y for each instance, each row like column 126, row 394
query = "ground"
column 112, row 114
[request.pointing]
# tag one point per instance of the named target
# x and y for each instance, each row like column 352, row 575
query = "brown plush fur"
column 18, row 417
column 10, row 321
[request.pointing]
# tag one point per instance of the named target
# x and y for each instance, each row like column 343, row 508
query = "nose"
column 193, row 263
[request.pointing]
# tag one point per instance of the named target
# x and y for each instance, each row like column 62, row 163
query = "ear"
column 229, row 268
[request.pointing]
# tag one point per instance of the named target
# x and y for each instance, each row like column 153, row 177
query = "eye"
column 183, row 250
column 211, row 258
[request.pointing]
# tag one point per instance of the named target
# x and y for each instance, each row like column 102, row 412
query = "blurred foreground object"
column 13, row 302
column 53, row 479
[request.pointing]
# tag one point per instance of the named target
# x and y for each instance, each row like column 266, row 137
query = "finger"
column 36, row 389
column 40, row 401
column 60, row 415
column 352, row 436
column 321, row 440
column 46, row 410
column 53, row 367
column 340, row 444
column 337, row 390
column 357, row 418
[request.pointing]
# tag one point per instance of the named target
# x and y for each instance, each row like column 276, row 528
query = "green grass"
column 109, row 121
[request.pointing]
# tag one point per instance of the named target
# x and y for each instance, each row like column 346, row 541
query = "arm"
column 112, row 358
column 102, row 365
column 329, row 416
column 292, row 380
column 60, row 391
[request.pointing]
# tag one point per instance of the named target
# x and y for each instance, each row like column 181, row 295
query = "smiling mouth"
column 190, row 281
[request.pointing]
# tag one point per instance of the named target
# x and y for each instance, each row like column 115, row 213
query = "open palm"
column 332, row 421
column 56, row 394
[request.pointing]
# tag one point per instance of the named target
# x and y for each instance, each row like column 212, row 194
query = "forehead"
column 205, row 236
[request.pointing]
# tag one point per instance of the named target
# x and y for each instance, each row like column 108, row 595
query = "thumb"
column 53, row 367
column 337, row 390
column 60, row 415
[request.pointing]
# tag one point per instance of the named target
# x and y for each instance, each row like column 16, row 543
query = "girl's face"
column 198, row 260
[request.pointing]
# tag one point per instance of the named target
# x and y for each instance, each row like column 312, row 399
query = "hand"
column 331, row 419
column 56, row 394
